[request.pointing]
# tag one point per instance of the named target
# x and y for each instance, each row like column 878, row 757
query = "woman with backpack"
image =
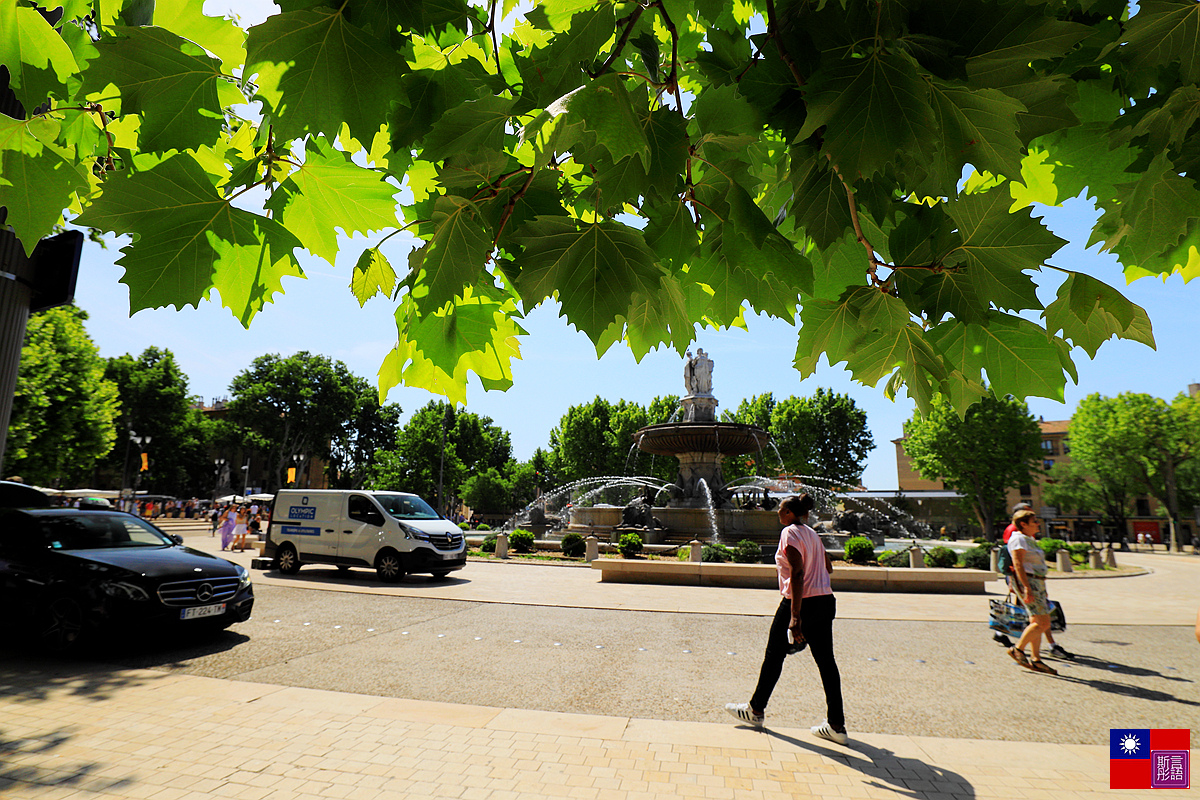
column 1029, row 573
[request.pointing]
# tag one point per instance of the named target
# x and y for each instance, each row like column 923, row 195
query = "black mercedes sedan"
column 71, row 575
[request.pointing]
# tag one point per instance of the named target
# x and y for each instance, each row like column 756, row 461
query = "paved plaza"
column 227, row 725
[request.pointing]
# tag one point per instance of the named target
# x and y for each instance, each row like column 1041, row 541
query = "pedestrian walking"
column 227, row 526
column 806, row 612
column 239, row 529
column 1029, row 572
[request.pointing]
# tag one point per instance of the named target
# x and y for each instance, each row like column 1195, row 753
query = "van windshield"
column 406, row 506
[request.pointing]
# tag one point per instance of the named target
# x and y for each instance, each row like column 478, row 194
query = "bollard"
column 1096, row 561
column 697, row 551
column 994, row 564
column 1110, row 558
column 1064, row 560
column 593, row 549
column 502, row 545
column 916, row 559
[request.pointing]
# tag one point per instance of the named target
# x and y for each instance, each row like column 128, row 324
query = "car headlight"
column 414, row 533
column 243, row 577
column 125, row 590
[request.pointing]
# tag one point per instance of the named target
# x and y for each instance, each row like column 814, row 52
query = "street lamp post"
column 246, row 478
column 298, row 460
column 219, row 463
column 139, row 441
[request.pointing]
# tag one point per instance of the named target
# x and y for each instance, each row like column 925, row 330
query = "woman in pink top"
column 806, row 612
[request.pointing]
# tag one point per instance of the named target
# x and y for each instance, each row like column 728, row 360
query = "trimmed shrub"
column 630, row 545
column 941, row 557
column 573, row 545
column 1080, row 551
column 521, row 541
column 489, row 544
column 1051, row 547
column 977, row 558
column 859, row 550
column 893, row 559
column 715, row 554
column 684, row 554
column 462, row 526
column 980, row 540
column 483, row 526
column 747, row 552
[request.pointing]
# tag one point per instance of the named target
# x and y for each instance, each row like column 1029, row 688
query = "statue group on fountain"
column 697, row 373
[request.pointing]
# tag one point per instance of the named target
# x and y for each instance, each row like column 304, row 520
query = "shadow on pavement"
column 910, row 777
column 1125, row 669
column 1126, row 690
column 64, row 779
column 362, row 577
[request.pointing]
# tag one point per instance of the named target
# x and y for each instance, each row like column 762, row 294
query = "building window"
column 1025, row 491
column 1143, row 507
column 1047, row 464
column 1066, row 443
column 1048, row 445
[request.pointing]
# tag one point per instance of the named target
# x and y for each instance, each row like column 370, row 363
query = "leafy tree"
column 994, row 447
column 293, row 405
column 1141, row 439
column 487, row 491
column 816, row 169
column 153, row 390
column 370, row 428
column 1072, row 485
column 413, row 463
column 825, row 436
column 64, row 411
column 754, row 411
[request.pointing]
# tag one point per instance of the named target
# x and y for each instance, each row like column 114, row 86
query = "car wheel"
column 389, row 566
column 62, row 625
column 287, row 561
column 441, row 573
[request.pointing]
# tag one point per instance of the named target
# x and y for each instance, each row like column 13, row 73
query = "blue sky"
column 559, row 367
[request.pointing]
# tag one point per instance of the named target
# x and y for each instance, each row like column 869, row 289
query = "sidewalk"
column 77, row 730
column 149, row 734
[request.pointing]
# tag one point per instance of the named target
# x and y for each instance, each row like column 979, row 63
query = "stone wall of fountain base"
column 682, row 525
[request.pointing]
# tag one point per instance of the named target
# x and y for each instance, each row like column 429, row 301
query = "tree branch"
column 620, row 45
column 773, row 33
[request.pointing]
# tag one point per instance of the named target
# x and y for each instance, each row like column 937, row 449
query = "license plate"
column 448, row 556
column 199, row 612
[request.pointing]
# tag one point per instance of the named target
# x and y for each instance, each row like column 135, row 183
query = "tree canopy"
column 595, row 439
column 1139, row 441
column 867, row 169
column 153, row 391
column 823, row 436
column 64, row 410
column 292, row 406
column 994, row 448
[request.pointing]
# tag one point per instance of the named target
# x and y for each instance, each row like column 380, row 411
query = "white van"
column 395, row 532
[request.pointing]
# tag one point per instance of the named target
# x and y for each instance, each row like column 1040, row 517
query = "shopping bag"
column 1058, row 620
column 1006, row 617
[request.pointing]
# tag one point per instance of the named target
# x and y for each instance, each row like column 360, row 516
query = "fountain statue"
column 699, row 503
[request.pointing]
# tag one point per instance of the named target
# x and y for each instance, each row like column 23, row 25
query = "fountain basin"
column 722, row 438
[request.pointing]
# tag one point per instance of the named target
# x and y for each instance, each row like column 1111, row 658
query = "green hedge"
column 1051, row 547
column 860, row 550
column 893, row 559
column 747, row 552
column 941, row 557
column 521, row 541
column 716, row 553
column 573, row 545
column 489, row 544
column 630, row 545
column 977, row 558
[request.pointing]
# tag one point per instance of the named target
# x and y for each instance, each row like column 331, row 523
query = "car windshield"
column 99, row 531
column 406, row 506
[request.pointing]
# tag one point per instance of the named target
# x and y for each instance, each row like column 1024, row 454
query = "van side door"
column 360, row 531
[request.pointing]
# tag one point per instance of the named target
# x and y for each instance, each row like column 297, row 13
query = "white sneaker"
column 744, row 713
column 826, row 731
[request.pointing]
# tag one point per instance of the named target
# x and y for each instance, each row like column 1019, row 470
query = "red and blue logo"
column 1149, row 758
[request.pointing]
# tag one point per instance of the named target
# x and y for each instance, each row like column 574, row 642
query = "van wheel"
column 287, row 561
column 389, row 566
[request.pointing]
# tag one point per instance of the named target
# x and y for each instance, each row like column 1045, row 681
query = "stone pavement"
column 73, row 730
